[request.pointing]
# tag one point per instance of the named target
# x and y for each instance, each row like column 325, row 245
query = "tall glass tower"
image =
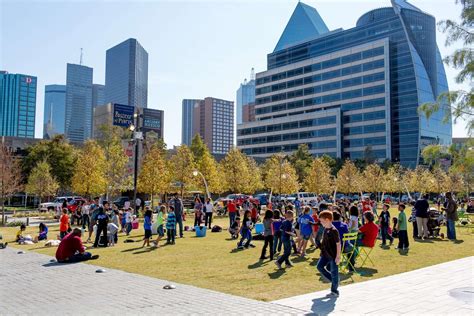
column 54, row 110
column 78, row 123
column 98, row 95
column 17, row 105
column 187, row 120
column 245, row 95
column 126, row 74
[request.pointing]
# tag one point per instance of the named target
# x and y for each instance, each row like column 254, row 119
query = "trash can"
column 259, row 229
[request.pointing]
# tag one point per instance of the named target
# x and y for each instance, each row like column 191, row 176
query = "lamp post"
column 137, row 136
column 195, row 173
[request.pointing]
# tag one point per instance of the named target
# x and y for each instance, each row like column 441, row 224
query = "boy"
column 286, row 234
column 306, row 229
column 63, row 224
column 234, row 228
column 170, row 226
column 402, row 229
column 330, row 252
column 384, row 225
column 19, row 235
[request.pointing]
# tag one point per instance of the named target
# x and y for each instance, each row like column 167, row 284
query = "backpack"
column 216, row 229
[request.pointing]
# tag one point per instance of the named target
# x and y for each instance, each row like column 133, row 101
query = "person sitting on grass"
column 19, row 234
column 170, row 226
column 43, row 233
column 147, row 227
column 3, row 245
column 71, row 249
column 246, row 231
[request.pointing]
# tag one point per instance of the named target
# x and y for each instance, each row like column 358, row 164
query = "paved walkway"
column 443, row 289
column 32, row 285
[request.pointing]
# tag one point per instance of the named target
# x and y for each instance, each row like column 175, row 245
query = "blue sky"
column 196, row 48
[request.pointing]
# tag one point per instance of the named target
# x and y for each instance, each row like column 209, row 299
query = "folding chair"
column 365, row 254
column 346, row 257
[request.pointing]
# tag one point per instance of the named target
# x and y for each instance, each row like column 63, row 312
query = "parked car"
column 57, row 202
column 239, row 199
column 263, row 198
column 74, row 203
column 305, row 197
column 120, row 202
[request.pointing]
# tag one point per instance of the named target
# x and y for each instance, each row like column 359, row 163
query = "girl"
column 276, row 224
column 353, row 224
column 43, row 232
column 159, row 223
column 197, row 212
column 254, row 213
column 147, row 228
column 246, row 231
column 268, row 235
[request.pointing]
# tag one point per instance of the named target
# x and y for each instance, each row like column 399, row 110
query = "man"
column 178, row 211
column 138, row 204
column 102, row 222
column 86, row 220
column 451, row 216
column 422, row 206
column 232, row 209
column 71, row 249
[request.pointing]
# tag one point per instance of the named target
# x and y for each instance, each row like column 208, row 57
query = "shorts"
column 147, row 233
column 306, row 237
column 160, row 231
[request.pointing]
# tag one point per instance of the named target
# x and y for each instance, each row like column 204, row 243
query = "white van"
column 306, row 197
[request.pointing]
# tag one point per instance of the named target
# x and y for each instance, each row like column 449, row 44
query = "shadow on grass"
column 424, row 241
column 276, row 274
column 385, row 247
column 458, row 241
column 366, row 272
column 314, row 262
column 403, row 252
column 258, row 264
column 131, row 249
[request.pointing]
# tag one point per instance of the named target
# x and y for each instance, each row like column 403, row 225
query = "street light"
column 137, row 136
column 195, row 173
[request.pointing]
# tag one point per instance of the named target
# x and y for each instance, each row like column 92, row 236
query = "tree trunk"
column 2, row 199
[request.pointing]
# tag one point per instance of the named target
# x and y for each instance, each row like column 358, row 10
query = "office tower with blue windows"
column 17, row 105
column 78, row 122
column 245, row 96
column 54, row 110
column 187, row 120
column 98, row 95
column 126, row 74
column 343, row 91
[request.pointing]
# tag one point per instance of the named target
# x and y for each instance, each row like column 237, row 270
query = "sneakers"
column 278, row 265
column 252, row 245
column 289, row 265
column 334, row 294
column 391, row 242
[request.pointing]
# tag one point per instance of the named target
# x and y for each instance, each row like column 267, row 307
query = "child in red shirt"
column 369, row 231
column 63, row 224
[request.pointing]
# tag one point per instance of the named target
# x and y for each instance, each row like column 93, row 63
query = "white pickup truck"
column 57, row 202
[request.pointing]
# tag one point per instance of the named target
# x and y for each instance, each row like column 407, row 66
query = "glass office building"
column 54, row 110
column 98, row 95
column 17, row 105
column 126, row 74
column 245, row 96
column 78, row 123
column 187, row 120
column 345, row 90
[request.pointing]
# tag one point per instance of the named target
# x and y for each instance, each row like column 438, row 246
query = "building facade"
column 126, row 74
column 248, row 113
column 213, row 120
column 98, row 95
column 245, row 95
column 54, row 110
column 78, row 122
column 187, row 120
column 346, row 90
column 17, row 105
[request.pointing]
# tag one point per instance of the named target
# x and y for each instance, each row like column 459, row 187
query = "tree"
column 183, row 165
column 155, row 175
column 319, row 178
column 419, row 180
column 349, row 179
column 301, row 160
column 463, row 163
column 373, row 179
column 432, row 155
column 280, row 176
column 41, row 182
column 10, row 176
column 393, row 180
column 455, row 182
column 207, row 165
column 334, row 163
column 460, row 103
column 198, row 147
column 254, row 181
column 60, row 156
column 236, row 171
column 89, row 177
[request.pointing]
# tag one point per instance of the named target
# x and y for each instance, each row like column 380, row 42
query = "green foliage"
column 301, row 160
column 280, row 176
column 41, row 182
column 89, row 177
column 182, row 164
column 235, row 171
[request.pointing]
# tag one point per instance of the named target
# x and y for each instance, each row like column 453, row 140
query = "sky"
column 196, row 48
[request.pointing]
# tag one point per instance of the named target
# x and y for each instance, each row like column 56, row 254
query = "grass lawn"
column 212, row 262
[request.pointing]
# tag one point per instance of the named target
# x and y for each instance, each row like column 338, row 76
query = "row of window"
column 287, row 137
column 286, row 126
column 323, row 99
column 364, row 129
column 323, row 65
column 352, row 118
column 361, row 142
column 361, row 154
column 287, row 148
column 363, row 104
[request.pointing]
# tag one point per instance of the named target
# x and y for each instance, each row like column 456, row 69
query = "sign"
column 152, row 119
column 123, row 115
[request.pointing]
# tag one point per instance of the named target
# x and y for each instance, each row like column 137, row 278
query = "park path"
column 443, row 289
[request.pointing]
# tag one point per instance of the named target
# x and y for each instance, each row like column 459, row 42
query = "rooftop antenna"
column 80, row 60
column 252, row 74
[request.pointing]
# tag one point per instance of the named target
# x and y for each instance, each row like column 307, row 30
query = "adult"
column 94, row 211
column 102, row 219
column 451, row 216
column 208, row 213
column 298, row 206
column 86, row 219
column 470, row 207
column 71, row 249
column 421, row 211
column 177, row 203
column 232, row 209
column 138, row 204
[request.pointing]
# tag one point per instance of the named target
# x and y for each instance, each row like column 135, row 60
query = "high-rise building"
column 126, row 74
column 78, row 123
column 17, row 105
column 54, row 110
column 213, row 120
column 187, row 120
column 245, row 95
column 248, row 113
column 349, row 92
column 98, row 95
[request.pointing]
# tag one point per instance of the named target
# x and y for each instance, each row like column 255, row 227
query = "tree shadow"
column 276, row 274
column 324, row 305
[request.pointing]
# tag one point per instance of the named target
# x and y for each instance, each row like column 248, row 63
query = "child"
column 268, row 235
column 246, row 231
column 394, row 230
column 385, row 224
column 63, row 224
column 330, row 252
column 413, row 221
column 128, row 221
column 276, row 224
column 402, row 229
column 254, row 214
column 170, row 226
column 234, row 228
column 286, row 234
column 306, row 222
column 315, row 227
column 43, row 232
column 112, row 233
column 147, row 227
column 19, row 235
column 353, row 224
column 197, row 212
column 159, row 223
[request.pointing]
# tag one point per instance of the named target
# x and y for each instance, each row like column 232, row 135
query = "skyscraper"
column 344, row 92
column 245, row 95
column 98, row 95
column 17, row 105
column 187, row 120
column 54, row 110
column 78, row 123
column 126, row 74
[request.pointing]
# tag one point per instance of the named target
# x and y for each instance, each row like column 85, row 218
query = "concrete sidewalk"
column 443, row 289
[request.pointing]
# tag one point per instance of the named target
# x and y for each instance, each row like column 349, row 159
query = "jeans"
column 62, row 234
column 85, row 219
column 277, row 242
column 286, row 252
column 347, row 249
column 170, row 234
column 100, row 229
column 422, row 224
column 197, row 220
column 129, row 228
column 332, row 274
column 385, row 234
column 246, row 235
column 77, row 257
column 179, row 223
column 403, row 239
column 269, row 243
column 415, row 229
column 450, row 225
column 231, row 218
column 208, row 219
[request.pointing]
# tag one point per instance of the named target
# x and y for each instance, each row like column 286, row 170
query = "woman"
column 208, row 214
column 197, row 212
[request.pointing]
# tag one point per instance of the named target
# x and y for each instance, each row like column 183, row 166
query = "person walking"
column 86, row 219
column 208, row 215
column 232, row 209
column 268, row 235
column 451, row 216
column 422, row 206
column 178, row 212
column 102, row 221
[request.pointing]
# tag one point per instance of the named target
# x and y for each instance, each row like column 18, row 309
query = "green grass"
column 212, row 263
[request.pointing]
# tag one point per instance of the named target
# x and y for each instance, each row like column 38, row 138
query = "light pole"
column 137, row 136
column 195, row 173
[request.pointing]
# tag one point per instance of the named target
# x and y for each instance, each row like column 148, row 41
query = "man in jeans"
column 422, row 206
column 178, row 211
column 86, row 220
column 231, row 208
column 451, row 216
